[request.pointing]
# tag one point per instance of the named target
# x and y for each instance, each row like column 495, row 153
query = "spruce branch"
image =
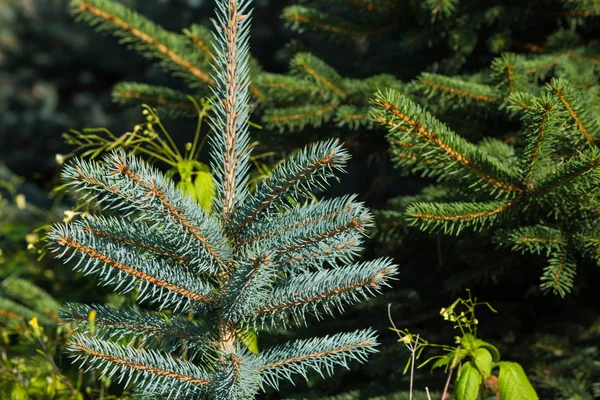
column 462, row 159
column 310, row 168
column 149, row 329
column 249, row 284
column 322, row 292
column 169, row 102
column 149, row 39
column 260, row 257
column 308, row 221
column 458, row 93
column 202, row 38
column 339, row 248
column 301, row 17
column 115, row 264
column 319, row 354
column 541, row 123
column 579, row 173
column 570, row 99
column 286, row 88
column 297, row 118
column 163, row 374
column 127, row 185
column 537, row 239
column 508, row 71
column 146, row 239
column 445, row 8
column 560, row 273
column 452, row 218
column 230, row 139
column 12, row 313
column 320, row 73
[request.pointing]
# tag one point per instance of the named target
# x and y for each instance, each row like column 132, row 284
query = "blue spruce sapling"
column 265, row 259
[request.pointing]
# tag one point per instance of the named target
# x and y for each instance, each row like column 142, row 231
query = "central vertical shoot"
column 230, row 156
column 230, row 138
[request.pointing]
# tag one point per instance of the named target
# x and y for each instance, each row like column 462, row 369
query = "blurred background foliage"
column 57, row 75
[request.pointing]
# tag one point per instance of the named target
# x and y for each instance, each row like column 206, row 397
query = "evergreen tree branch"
column 322, row 74
column 541, row 124
column 452, row 218
column 353, row 117
column 342, row 247
column 141, row 235
column 558, row 276
column 586, row 123
column 168, row 101
column 299, row 17
column 149, row 328
column 249, row 284
column 305, row 221
column 467, row 162
column 286, row 88
column 295, row 118
column 323, row 291
column 238, row 377
column 538, row 239
column 150, row 39
column 116, row 264
column 125, row 184
column 12, row 312
column 231, row 138
column 202, row 38
column 577, row 173
column 160, row 372
column 318, row 354
column 466, row 93
column 310, row 168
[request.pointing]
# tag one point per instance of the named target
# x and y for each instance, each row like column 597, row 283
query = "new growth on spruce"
column 261, row 260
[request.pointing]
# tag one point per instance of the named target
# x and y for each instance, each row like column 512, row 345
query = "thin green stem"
column 155, row 155
column 169, row 138
column 192, row 152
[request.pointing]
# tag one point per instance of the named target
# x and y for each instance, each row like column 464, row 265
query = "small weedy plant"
column 260, row 260
column 479, row 371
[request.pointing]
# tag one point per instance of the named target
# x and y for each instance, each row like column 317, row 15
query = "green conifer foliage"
column 261, row 260
column 187, row 55
column 403, row 38
column 542, row 190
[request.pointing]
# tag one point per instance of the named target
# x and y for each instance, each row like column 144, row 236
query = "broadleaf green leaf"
column 489, row 347
column 443, row 361
column 468, row 382
column 187, row 188
column 249, row 338
column 513, row 383
column 205, row 189
column 483, row 361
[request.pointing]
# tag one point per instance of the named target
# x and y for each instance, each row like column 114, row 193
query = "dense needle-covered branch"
column 124, row 183
column 115, row 264
column 319, row 354
column 150, row 328
column 153, row 41
column 164, row 374
column 258, row 259
column 168, row 102
column 231, row 137
column 323, row 292
column 310, row 168
column 461, row 157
